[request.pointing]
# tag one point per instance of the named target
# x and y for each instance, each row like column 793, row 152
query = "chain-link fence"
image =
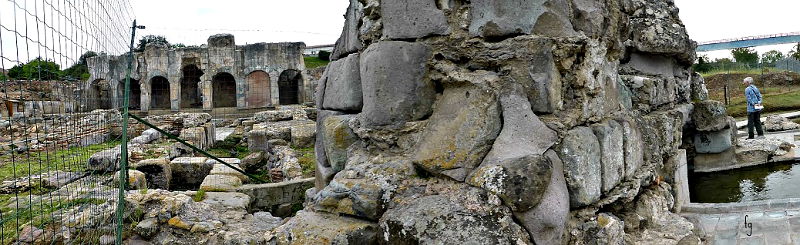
column 57, row 161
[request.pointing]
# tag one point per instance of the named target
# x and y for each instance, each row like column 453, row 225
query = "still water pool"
column 772, row 181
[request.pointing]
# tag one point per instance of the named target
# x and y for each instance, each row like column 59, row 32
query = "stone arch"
column 159, row 93
column 223, row 86
column 258, row 93
column 135, row 101
column 190, row 89
column 289, row 87
column 101, row 89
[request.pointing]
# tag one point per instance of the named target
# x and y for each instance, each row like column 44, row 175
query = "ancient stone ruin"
column 219, row 74
column 505, row 122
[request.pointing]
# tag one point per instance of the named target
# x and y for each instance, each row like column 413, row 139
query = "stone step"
column 220, row 183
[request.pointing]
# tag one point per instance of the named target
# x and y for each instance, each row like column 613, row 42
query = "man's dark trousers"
column 754, row 119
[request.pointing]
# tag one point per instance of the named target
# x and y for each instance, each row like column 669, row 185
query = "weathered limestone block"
column 514, row 168
column 779, row 123
column 589, row 16
column 652, row 65
column 147, row 136
column 211, row 134
column 545, row 92
column 308, row 227
column 303, row 135
column 363, row 188
column 633, row 146
column 715, row 161
column 681, row 184
column 446, row 212
column 220, row 183
column 349, row 42
column 136, row 179
column 661, row 134
column 157, row 171
column 338, row 137
column 323, row 173
column 343, row 85
column 709, row 116
column 662, row 37
column 392, row 80
column 605, row 229
column 652, row 218
column 460, row 133
column 609, row 135
column 713, row 142
column 494, row 18
column 254, row 161
column 191, row 120
column 699, row 90
column 105, row 161
column 546, row 222
column 195, row 136
column 404, row 19
column 222, row 169
column 258, row 138
column 580, row 152
column 269, row 196
column 760, row 150
column 650, row 91
column 190, row 171
column 274, row 115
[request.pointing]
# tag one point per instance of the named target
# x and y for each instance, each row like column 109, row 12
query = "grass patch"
column 199, row 195
column 773, row 103
column 307, row 160
column 237, row 152
column 314, row 62
column 754, row 70
column 39, row 215
column 31, row 163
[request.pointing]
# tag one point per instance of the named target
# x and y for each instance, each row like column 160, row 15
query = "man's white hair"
column 748, row 80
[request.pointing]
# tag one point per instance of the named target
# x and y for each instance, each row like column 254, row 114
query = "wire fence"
column 724, row 80
column 57, row 186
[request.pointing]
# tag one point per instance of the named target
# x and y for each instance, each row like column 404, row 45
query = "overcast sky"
column 314, row 22
column 190, row 22
column 320, row 21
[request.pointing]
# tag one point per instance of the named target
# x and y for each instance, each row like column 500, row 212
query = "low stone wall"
column 741, row 207
column 271, row 196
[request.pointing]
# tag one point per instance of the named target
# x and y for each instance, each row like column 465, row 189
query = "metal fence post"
column 123, row 162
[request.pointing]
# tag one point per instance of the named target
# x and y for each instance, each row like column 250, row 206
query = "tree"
column 702, row 64
column 745, row 55
column 772, row 56
column 178, row 45
column 324, row 55
column 80, row 69
column 37, row 69
column 150, row 39
column 795, row 52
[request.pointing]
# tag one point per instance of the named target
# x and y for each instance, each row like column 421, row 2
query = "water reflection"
column 772, row 181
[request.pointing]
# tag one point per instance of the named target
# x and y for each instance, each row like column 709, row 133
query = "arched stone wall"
column 289, row 84
column 223, row 93
column 159, row 93
column 190, row 87
column 258, row 89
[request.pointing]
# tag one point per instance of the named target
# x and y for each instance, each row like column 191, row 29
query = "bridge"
column 751, row 41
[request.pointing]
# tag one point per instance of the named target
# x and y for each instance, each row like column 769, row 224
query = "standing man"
column 753, row 97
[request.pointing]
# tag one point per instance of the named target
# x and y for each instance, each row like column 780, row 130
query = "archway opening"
column 258, row 94
column 102, row 91
column 159, row 93
column 288, row 87
column 190, row 91
column 224, row 90
column 135, row 101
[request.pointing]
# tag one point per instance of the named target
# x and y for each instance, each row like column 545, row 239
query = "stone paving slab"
column 768, row 227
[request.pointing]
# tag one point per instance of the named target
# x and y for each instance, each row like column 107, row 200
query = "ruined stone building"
column 218, row 75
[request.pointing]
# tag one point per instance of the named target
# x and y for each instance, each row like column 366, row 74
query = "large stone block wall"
column 220, row 55
column 505, row 122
